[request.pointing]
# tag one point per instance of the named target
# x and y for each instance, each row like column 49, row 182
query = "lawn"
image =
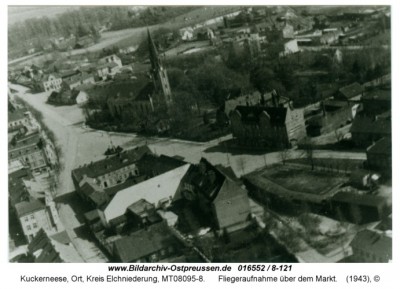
column 312, row 182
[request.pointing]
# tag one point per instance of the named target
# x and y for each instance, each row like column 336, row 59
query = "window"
column 28, row 227
column 26, row 219
column 32, row 217
column 34, row 225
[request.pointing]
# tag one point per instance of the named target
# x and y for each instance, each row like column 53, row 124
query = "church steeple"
column 159, row 73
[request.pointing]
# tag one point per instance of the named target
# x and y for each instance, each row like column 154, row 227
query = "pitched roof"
column 42, row 248
column 382, row 146
column 374, row 242
column 25, row 140
column 359, row 199
column 152, row 190
column 28, row 207
column 111, row 163
column 368, row 125
column 380, row 95
column 253, row 113
column 144, row 243
column 16, row 115
column 351, row 90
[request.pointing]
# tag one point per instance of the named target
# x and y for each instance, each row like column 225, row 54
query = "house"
column 74, row 81
column 63, row 97
column 351, row 92
column 371, row 246
column 29, row 149
column 262, row 127
column 111, row 59
column 330, row 37
column 358, row 208
column 376, row 102
column 289, row 47
column 186, row 33
column 288, row 31
column 107, row 70
column 52, row 82
column 41, row 249
column 33, row 215
column 152, row 245
column 84, row 42
column 366, row 130
column 379, row 156
column 162, row 186
column 17, row 119
column 217, row 197
column 16, row 188
column 81, row 98
column 331, row 115
column 109, row 171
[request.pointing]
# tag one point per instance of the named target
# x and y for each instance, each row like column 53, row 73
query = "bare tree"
column 284, row 154
column 309, row 150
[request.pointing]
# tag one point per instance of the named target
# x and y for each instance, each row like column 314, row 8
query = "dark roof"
column 370, row 126
column 61, row 237
column 42, row 242
column 383, row 146
column 253, row 113
column 108, row 64
column 140, row 207
column 379, row 94
column 77, row 78
column 27, row 207
column 151, row 164
column 351, row 90
column 144, row 243
column 374, row 242
column 359, row 199
column 22, row 140
column 16, row 187
column 16, row 115
column 111, row 163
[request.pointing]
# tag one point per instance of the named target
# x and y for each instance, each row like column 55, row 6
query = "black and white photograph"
column 199, row 134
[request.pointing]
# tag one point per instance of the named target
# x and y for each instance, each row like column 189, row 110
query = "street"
column 80, row 145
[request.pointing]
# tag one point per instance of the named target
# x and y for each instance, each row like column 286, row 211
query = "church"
column 142, row 96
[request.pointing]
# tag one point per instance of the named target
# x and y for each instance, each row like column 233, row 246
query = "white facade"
column 52, row 83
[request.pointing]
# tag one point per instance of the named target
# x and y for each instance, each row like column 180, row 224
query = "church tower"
column 159, row 73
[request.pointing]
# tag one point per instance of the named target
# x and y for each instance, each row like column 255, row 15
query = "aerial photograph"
column 199, row 134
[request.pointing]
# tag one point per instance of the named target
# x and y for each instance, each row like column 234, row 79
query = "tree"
column 309, row 151
column 284, row 154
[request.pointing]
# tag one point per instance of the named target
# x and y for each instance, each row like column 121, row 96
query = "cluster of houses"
column 141, row 203
column 31, row 205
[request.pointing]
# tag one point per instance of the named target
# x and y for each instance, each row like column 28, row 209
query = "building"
column 331, row 115
column 366, row 130
column 29, row 149
column 372, row 247
column 81, row 98
column 106, row 70
column 110, row 171
column 289, row 47
column 146, row 96
column 253, row 44
column 220, row 201
column 351, row 92
column 379, row 156
column 264, row 127
column 63, row 97
column 288, row 31
column 111, row 59
column 17, row 119
column 330, row 37
column 376, row 102
column 74, row 81
column 33, row 216
column 152, row 245
column 52, row 82
column 84, row 42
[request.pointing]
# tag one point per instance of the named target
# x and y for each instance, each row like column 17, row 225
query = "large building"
column 263, row 127
column 29, row 149
column 147, row 95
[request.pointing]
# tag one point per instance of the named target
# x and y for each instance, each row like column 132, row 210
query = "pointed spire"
column 154, row 59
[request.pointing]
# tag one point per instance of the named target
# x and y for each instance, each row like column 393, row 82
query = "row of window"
column 34, row 226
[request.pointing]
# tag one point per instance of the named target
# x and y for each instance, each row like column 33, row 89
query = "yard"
column 300, row 180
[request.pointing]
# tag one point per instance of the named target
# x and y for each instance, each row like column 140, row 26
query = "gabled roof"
column 42, row 248
column 374, row 242
column 16, row 115
column 111, row 163
column 351, row 90
column 144, row 243
column 368, row 125
column 382, row 147
column 28, row 207
column 152, row 190
column 253, row 113
column 362, row 200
